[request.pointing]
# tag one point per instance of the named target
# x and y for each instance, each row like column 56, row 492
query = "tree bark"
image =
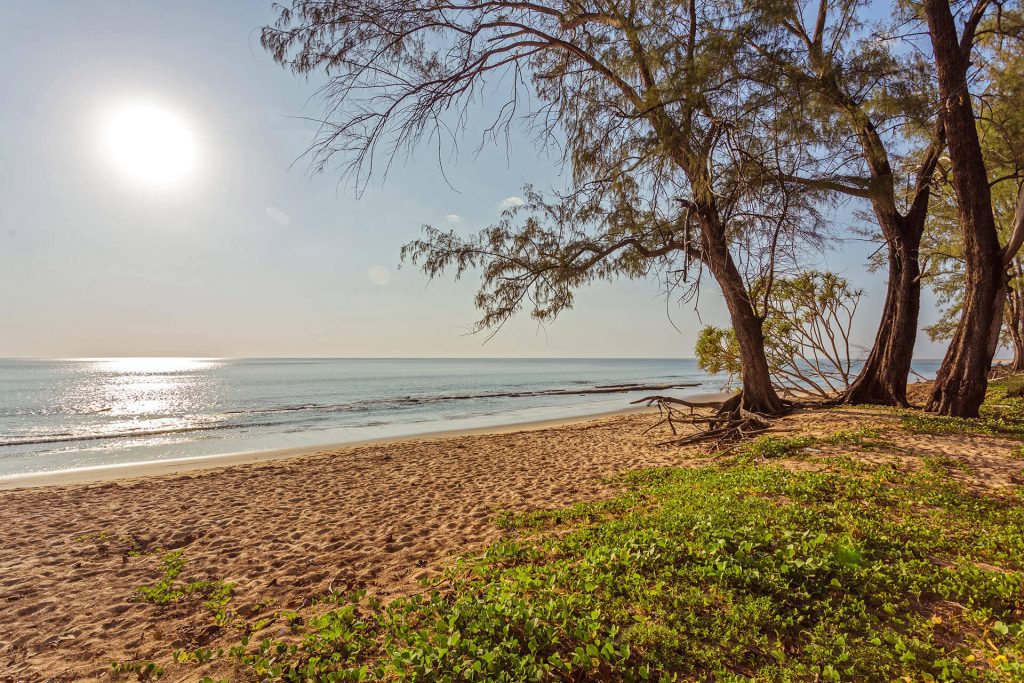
column 883, row 378
column 1015, row 316
column 759, row 395
column 963, row 376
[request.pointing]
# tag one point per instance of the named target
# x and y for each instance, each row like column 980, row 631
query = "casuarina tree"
column 1000, row 88
column 864, row 104
column 963, row 376
column 675, row 153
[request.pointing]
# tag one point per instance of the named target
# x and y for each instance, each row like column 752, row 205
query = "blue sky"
column 251, row 255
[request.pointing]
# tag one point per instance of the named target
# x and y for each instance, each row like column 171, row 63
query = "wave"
column 241, row 419
column 63, row 438
column 371, row 404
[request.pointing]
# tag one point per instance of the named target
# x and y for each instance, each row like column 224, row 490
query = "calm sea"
column 73, row 414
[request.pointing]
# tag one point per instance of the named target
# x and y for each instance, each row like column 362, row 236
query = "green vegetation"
column 1002, row 414
column 937, row 424
column 749, row 568
column 737, row 571
column 168, row 589
column 807, row 320
column 770, row 446
column 144, row 671
column 1014, row 386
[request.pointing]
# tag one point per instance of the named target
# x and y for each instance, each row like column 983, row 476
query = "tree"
column 1000, row 132
column 963, row 376
column 945, row 275
column 808, row 319
column 666, row 140
column 861, row 101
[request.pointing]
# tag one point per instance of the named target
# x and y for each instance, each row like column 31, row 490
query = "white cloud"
column 278, row 216
column 379, row 275
column 453, row 218
column 509, row 202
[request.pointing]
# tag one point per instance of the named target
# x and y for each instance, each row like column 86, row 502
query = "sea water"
column 75, row 414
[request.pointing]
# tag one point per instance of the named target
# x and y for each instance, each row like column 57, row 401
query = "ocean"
column 60, row 415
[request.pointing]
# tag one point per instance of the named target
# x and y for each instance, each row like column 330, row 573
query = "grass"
column 770, row 446
column 1002, row 414
column 1014, row 386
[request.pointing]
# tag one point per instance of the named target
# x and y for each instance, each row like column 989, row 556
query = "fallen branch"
column 651, row 400
column 728, row 423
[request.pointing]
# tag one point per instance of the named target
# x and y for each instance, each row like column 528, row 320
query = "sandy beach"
column 184, row 465
column 286, row 531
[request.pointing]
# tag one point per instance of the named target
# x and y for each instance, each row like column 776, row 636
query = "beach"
column 114, row 472
column 509, row 342
column 284, row 531
column 288, row 531
column 83, row 414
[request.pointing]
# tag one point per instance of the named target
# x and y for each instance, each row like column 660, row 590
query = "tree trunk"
column 759, row 395
column 963, row 377
column 1015, row 316
column 883, row 379
column 1017, row 364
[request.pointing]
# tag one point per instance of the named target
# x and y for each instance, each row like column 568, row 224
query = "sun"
column 148, row 143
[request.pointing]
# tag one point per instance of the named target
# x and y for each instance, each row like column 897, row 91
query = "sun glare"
column 149, row 144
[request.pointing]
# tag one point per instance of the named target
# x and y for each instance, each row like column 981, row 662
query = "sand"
column 379, row 516
column 116, row 472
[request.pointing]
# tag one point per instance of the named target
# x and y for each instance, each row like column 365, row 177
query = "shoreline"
column 187, row 465
column 283, row 532
column 287, row 532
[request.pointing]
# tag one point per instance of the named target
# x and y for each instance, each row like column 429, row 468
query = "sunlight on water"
column 97, row 399
column 145, row 393
column 152, row 365
column 72, row 414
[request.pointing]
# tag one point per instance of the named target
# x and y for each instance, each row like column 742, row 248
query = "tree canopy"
column 676, row 153
column 701, row 137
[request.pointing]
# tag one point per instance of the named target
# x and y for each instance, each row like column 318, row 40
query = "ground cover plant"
column 143, row 671
column 169, row 589
column 1002, row 414
column 736, row 571
column 751, row 566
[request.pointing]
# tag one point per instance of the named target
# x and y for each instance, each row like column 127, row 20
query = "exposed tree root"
column 727, row 424
column 1002, row 371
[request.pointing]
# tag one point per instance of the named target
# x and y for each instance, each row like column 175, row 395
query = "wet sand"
column 184, row 465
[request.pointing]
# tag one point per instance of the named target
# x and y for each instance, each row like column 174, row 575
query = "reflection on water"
column 153, row 391
column 82, row 413
column 151, row 366
column 85, row 400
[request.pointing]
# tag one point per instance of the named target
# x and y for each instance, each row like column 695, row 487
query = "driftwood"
column 727, row 424
column 1002, row 371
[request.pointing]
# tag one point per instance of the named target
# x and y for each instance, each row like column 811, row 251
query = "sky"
column 249, row 254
